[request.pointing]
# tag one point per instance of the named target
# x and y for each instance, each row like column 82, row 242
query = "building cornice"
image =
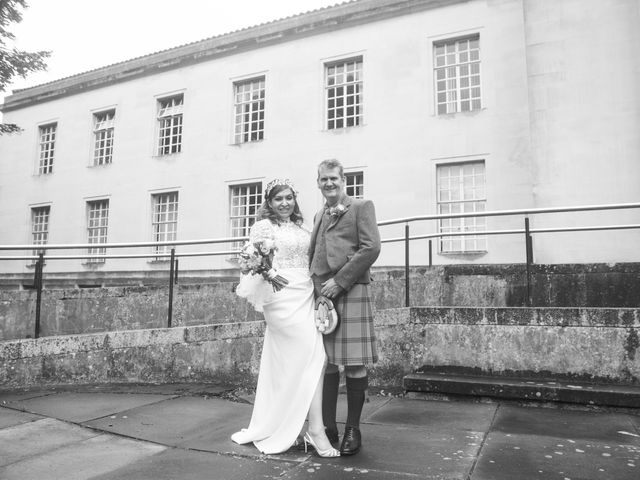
column 288, row 29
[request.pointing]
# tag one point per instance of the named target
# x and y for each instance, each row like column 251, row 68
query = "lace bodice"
column 291, row 240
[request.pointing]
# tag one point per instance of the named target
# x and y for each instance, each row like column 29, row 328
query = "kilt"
column 353, row 342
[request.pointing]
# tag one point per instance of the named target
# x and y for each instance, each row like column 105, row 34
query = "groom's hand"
column 331, row 289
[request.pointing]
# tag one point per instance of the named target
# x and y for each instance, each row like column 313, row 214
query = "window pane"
column 164, row 220
column 244, row 203
column 249, row 108
column 103, row 131
column 461, row 189
column 97, row 223
column 170, row 125
column 458, row 62
column 343, row 94
column 47, row 148
column 355, row 184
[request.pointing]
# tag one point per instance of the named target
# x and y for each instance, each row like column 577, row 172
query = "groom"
column 344, row 244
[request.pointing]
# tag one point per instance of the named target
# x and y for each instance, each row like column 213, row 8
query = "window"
column 244, row 203
column 103, row 137
column 165, row 219
column 47, row 148
column 355, row 184
column 170, row 125
column 461, row 189
column 343, row 85
column 457, row 75
column 97, row 224
column 39, row 227
column 249, row 110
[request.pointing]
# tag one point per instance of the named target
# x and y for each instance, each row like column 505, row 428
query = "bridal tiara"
column 275, row 183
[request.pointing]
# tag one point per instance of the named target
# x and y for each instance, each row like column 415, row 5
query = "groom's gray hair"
column 330, row 164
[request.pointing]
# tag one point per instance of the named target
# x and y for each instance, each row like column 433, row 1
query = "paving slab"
column 635, row 422
column 528, row 457
column 435, row 415
column 334, row 471
column 415, row 451
column 30, row 439
column 7, row 398
column 82, row 460
column 189, row 430
column 371, row 405
column 176, row 463
column 176, row 421
column 562, row 423
column 204, row 424
column 218, row 439
column 159, row 389
column 81, row 407
column 10, row 417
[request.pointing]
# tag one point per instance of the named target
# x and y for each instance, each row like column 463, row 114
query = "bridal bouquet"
column 257, row 258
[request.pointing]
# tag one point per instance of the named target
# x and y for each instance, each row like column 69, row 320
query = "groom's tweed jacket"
column 352, row 242
column 352, row 245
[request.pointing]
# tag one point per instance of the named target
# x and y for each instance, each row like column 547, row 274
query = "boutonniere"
column 337, row 210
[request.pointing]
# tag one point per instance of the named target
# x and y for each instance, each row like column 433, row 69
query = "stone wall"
column 586, row 344
column 227, row 352
column 598, row 345
column 72, row 311
column 575, row 285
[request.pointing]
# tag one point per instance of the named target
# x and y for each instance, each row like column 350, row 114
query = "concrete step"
column 523, row 389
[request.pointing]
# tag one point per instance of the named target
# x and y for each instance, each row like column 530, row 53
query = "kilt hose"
column 353, row 342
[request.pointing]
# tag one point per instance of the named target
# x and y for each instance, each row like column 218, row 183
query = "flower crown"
column 275, row 183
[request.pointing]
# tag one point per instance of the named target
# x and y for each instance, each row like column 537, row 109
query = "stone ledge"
column 536, row 316
column 564, row 346
column 524, row 389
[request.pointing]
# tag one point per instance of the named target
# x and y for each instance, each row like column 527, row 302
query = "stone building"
column 433, row 106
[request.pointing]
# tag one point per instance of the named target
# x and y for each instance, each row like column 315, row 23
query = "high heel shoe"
column 329, row 452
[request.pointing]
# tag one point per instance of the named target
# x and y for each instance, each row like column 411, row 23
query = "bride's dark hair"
column 265, row 210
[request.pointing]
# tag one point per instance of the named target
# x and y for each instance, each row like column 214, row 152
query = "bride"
column 293, row 357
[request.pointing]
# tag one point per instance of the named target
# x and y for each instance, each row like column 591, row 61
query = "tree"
column 14, row 62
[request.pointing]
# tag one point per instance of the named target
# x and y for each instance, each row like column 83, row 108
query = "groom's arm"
column 368, row 238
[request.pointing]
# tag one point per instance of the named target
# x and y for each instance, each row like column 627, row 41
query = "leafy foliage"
column 14, row 62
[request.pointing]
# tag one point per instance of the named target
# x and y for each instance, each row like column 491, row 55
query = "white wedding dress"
column 293, row 354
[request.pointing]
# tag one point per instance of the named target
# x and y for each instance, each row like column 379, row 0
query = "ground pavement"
column 182, row 432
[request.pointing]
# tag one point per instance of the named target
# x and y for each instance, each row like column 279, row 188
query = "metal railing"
column 173, row 256
column 526, row 231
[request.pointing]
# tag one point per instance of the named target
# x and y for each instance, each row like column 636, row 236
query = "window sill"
column 100, row 165
column 467, row 253
column 345, row 130
column 93, row 265
column 168, row 156
column 468, row 113
column 247, row 144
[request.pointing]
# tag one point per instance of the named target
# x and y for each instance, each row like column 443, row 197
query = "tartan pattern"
column 354, row 341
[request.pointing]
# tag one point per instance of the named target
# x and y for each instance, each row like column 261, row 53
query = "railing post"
column 430, row 254
column 171, row 280
column 175, row 273
column 38, row 284
column 406, row 265
column 529, row 254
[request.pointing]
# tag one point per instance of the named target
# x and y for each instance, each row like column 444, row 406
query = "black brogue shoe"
column 351, row 441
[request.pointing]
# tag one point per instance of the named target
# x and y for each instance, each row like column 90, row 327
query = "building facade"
column 433, row 107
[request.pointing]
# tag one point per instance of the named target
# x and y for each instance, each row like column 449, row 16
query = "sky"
column 86, row 34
